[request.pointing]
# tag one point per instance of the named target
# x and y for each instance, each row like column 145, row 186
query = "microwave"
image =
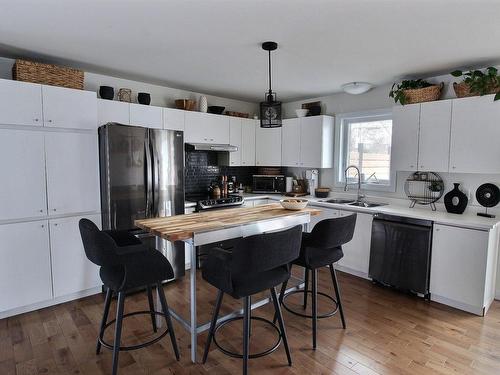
column 268, row 183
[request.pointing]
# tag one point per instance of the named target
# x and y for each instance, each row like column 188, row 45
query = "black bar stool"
column 126, row 263
column 322, row 247
column 254, row 264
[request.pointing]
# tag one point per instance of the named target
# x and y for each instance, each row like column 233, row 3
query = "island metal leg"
column 192, row 291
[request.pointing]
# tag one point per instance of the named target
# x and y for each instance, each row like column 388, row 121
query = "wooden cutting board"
column 183, row 227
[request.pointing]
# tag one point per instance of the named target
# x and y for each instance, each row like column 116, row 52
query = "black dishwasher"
column 400, row 253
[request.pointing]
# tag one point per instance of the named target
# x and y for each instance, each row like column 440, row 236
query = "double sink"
column 352, row 202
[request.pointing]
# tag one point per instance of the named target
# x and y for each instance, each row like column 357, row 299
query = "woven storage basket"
column 47, row 74
column 426, row 94
column 462, row 90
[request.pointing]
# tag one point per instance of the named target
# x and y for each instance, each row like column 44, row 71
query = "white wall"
column 160, row 95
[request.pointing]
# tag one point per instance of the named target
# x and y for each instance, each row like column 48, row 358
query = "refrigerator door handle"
column 148, row 173
column 156, row 180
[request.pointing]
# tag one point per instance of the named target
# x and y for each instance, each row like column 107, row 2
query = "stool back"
column 99, row 246
column 264, row 252
column 331, row 233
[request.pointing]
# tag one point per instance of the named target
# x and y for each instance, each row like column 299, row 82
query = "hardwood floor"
column 387, row 333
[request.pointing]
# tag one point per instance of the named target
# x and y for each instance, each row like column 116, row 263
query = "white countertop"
column 466, row 220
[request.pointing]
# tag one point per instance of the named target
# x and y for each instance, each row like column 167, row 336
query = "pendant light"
column 270, row 108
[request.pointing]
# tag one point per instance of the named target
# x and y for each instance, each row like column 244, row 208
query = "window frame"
column 341, row 147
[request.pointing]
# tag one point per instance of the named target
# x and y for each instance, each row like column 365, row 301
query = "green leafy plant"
column 398, row 90
column 481, row 83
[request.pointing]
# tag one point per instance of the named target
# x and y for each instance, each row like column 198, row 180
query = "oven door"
column 262, row 184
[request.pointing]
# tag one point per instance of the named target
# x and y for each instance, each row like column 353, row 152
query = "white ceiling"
column 214, row 46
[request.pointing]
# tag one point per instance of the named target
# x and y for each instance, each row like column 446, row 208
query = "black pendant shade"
column 270, row 108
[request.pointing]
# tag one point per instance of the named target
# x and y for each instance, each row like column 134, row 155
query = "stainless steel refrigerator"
column 142, row 176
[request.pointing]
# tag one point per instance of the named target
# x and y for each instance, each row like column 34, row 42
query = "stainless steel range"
column 230, row 201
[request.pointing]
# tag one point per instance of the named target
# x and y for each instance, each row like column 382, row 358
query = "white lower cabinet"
column 72, row 272
column 25, row 265
column 357, row 252
column 72, row 172
column 458, row 267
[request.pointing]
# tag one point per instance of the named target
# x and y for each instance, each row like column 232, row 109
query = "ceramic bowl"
column 294, row 204
column 217, row 109
column 301, row 112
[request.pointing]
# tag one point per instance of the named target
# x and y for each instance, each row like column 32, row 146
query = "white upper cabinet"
column 72, row 172
column 290, row 148
column 206, row 128
column 235, row 140
column 248, row 141
column 20, row 103
column 173, row 119
column 316, row 142
column 72, row 272
column 25, row 265
column 433, row 140
column 405, row 125
column 267, row 146
column 22, row 162
column 68, row 108
column 146, row 116
column 475, row 134
column 112, row 111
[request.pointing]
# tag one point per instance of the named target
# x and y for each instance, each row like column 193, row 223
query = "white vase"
column 203, row 104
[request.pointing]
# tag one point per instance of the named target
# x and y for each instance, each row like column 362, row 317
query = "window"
column 365, row 142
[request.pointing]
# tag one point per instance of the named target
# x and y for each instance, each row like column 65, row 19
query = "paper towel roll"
column 289, row 184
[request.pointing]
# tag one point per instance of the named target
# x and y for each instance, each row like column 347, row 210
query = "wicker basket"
column 462, row 90
column 47, row 74
column 426, row 94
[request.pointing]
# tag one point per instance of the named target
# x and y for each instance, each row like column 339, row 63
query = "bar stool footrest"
column 138, row 346
column 322, row 316
column 254, row 355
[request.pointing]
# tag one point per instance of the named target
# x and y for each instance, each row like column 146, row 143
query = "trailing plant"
column 481, row 83
column 398, row 90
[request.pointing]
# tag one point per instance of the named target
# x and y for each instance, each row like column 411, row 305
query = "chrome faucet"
column 346, row 187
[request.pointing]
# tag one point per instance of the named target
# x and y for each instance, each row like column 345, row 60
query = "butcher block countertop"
column 184, row 227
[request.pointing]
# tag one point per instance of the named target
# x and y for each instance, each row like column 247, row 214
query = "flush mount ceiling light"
column 270, row 108
column 356, row 88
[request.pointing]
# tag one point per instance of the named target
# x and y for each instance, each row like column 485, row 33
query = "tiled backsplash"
column 202, row 168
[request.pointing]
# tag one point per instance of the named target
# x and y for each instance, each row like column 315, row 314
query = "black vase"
column 455, row 201
column 144, row 98
column 106, row 92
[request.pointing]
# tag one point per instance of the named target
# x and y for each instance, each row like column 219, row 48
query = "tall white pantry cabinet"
column 50, row 166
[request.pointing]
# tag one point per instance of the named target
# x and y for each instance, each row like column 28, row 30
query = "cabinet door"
column 112, row 111
column 357, row 251
column 25, row 265
column 68, row 108
column 22, row 162
column 173, row 119
column 72, row 172
column 311, row 142
column 145, row 115
column 458, row 265
column 475, row 132
column 290, row 147
column 434, row 136
column 72, row 272
column 206, row 128
column 235, row 140
column 20, row 103
column 405, row 124
column 248, row 142
column 268, row 146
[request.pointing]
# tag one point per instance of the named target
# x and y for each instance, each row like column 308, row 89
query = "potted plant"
column 412, row 91
column 476, row 82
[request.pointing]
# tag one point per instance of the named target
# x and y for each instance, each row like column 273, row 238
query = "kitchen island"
column 203, row 228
